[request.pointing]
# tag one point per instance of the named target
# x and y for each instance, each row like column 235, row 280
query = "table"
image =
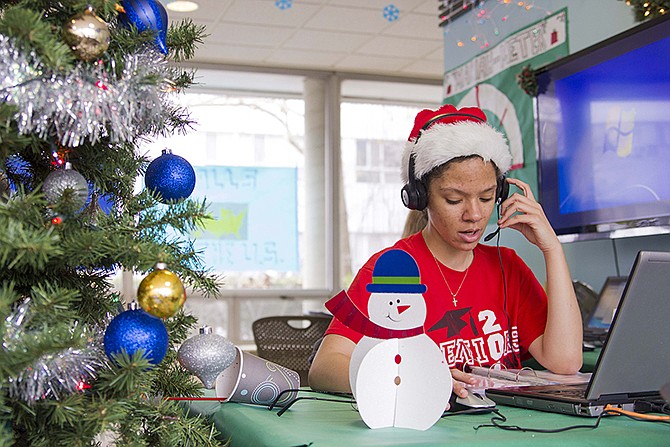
column 322, row 424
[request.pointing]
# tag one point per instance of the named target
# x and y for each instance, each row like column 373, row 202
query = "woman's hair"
column 415, row 222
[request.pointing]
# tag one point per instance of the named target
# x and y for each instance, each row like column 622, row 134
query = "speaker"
column 502, row 192
column 414, row 195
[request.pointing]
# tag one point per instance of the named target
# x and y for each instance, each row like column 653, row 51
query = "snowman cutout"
column 398, row 375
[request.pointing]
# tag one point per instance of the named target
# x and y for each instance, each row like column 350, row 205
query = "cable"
column 517, row 358
column 637, row 416
column 496, row 423
column 473, row 410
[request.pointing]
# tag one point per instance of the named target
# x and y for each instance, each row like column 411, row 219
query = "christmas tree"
column 83, row 84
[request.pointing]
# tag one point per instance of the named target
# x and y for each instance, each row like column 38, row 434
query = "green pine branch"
column 31, row 32
column 10, row 140
column 26, row 243
column 183, row 38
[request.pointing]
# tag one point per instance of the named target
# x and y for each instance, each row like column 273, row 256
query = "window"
column 373, row 139
column 253, row 164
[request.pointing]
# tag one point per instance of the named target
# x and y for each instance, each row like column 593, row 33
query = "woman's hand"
column 524, row 214
column 460, row 380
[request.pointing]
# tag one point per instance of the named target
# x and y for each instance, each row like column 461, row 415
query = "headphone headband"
column 436, row 118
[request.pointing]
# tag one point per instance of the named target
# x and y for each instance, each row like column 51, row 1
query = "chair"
column 289, row 340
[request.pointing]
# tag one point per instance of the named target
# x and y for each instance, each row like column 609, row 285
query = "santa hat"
column 446, row 133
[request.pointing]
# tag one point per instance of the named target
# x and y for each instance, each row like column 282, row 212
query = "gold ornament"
column 161, row 293
column 87, row 34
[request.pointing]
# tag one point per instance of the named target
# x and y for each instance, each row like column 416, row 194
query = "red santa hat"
column 446, row 133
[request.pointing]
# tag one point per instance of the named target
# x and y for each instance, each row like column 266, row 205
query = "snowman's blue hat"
column 396, row 271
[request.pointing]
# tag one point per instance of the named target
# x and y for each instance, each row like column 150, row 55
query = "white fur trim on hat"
column 443, row 142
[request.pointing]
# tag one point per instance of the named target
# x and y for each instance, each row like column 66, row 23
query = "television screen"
column 603, row 118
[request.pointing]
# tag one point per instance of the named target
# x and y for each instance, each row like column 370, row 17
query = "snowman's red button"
column 398, row 359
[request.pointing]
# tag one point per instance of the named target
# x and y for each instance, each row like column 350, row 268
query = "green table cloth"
column 321, row 424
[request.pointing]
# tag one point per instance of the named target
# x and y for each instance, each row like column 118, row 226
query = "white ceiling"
column 349, row 36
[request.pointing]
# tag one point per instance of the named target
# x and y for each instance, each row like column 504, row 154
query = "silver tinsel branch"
column 88, row 102
column 52, row 375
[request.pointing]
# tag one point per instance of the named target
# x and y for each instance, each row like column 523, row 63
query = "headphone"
column 415, row 195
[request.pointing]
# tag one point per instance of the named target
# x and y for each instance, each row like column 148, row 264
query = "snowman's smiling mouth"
column 395, row 321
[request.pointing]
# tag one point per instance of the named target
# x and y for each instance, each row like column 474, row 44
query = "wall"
column 588, row 23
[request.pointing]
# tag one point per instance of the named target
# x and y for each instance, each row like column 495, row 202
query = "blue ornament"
column 170, row 175
column 146, row 15
column 135, row 329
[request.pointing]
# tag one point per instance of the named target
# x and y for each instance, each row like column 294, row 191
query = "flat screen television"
column 603, row 124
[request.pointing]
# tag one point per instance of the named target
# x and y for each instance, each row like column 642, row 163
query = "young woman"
column 485, row 306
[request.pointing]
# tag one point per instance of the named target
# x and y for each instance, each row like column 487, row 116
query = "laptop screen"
column 635, row 356
column 607, row 303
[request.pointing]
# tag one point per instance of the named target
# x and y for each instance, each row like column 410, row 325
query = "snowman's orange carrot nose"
column 402, row 309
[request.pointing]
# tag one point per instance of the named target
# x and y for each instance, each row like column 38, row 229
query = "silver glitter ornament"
column 60, row 181
column 206, row 355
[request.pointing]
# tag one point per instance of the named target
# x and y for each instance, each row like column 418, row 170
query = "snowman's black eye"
column 397, row 301
column 390, row 303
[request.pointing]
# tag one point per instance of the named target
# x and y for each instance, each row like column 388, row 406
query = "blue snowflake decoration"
column 283, row 4
column 391, row 12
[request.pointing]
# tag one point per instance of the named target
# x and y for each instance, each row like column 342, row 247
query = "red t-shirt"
column 474, row 330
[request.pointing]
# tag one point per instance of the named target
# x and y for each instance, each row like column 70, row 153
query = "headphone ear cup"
column 422, row 195
column 502, row 189
column 414, row 195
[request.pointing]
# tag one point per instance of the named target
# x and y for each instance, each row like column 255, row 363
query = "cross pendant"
column 453, row 300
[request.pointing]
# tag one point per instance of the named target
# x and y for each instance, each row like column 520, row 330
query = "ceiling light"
column 181, row 5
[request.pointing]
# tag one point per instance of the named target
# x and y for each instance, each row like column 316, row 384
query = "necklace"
column 453, row 294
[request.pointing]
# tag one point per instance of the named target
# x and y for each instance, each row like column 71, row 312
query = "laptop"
column 599, row 321
column 634, row 363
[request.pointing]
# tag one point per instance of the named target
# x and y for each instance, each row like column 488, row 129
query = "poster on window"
column 489, row 81
column 255, row 225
